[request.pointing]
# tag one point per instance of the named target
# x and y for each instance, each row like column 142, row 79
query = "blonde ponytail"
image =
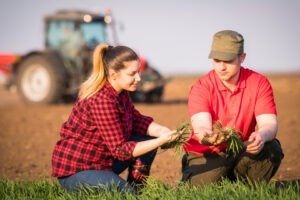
column 98, row 78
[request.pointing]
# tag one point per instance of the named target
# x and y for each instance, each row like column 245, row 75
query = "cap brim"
column 222, row 56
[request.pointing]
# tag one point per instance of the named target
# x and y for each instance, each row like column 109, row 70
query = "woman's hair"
column 105, row 57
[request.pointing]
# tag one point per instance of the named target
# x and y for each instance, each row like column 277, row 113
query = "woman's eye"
column 133, row 73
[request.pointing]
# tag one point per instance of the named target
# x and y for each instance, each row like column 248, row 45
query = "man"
column 238, row 98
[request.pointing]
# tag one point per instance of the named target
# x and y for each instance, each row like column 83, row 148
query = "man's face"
column 228, row 71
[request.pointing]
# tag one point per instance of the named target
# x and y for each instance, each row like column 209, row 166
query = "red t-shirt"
column 238, row 109
column 97, row 132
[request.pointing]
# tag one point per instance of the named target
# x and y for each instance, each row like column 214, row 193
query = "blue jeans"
column 107, row 179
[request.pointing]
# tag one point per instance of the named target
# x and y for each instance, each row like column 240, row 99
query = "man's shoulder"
column 251, row 72
column 252, row 75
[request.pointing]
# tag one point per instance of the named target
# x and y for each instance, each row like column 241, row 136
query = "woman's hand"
column 169, row 136
column 148, row 145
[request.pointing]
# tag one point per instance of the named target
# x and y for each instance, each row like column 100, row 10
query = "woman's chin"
column 132, row 88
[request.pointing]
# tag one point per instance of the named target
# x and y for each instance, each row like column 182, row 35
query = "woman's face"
column 127, row 78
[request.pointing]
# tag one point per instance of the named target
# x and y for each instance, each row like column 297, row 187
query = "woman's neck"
column 114, row 85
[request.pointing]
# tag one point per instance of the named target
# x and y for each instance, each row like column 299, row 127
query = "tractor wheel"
column 41, row 79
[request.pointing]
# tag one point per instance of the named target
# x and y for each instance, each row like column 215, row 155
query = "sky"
column 173, row 35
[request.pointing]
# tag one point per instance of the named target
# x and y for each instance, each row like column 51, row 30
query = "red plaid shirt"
column 97, row 132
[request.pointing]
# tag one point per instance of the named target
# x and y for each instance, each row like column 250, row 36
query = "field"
column 28, row 133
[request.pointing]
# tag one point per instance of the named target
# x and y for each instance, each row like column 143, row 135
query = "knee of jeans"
column 61, row 182
column 67, row 184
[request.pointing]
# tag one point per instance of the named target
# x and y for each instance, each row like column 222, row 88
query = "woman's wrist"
column 156, row 130
column 163, row 139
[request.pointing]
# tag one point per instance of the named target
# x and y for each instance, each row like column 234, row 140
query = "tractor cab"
column 89, row 28
column 75, row 34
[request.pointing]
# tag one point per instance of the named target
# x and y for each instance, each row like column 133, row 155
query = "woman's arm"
column 149, row 145
column 162, row 134
column 156, row 130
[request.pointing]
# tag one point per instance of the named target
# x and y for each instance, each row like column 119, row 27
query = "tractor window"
column 93, row 33
column 57, row 31
column 53, row 34
column 90, row 34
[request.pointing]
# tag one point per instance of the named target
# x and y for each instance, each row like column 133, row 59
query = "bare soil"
column 28, row 133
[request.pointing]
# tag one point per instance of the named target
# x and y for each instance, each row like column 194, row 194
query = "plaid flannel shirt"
column 97, row 132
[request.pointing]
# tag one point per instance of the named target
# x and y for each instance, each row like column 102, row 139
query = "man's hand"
column 204, row 137
column 215, row 138
column 255, row 143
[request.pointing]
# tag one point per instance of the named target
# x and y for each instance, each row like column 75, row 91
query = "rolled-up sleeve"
column 265, row 103
column 199, row 99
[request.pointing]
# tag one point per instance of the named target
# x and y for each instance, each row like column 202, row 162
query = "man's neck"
column 232, row 83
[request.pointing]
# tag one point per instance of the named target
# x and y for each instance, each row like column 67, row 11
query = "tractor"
column 56, row 72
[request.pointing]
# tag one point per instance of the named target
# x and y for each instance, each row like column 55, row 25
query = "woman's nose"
column 138, row 77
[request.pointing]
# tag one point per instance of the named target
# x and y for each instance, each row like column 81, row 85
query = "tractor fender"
column 48, row 53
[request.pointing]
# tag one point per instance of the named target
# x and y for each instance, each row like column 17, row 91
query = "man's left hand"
column 255, row 143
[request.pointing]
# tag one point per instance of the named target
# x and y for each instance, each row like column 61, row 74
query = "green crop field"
column 154, row 190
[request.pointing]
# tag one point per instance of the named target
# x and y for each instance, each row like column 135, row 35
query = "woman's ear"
column 112, row 74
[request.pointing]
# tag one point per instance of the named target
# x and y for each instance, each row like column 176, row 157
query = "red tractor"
column 48, row 75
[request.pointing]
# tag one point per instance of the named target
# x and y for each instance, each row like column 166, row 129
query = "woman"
column 105, row 134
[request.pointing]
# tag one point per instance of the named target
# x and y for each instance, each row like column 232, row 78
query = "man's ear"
column 242, row 57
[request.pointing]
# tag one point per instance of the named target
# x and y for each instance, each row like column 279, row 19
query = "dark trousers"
column 202, row 170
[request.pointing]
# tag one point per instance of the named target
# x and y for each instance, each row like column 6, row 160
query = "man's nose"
column 222, row 65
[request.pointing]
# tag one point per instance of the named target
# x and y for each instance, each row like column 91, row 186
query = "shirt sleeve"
column 107, row 118
column 265, row 103
column 198, row 100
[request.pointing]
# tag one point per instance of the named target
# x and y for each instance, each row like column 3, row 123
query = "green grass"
column 155, row 190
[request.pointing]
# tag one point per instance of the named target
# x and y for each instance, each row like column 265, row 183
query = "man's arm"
column 267, row 126
column 202, row 124
column 267, row 130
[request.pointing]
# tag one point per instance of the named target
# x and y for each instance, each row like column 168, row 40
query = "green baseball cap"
column 226, row 45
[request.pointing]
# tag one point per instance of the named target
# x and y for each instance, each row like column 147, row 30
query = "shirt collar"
column 108, row 88
column 241, row 82
column 112, row 93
